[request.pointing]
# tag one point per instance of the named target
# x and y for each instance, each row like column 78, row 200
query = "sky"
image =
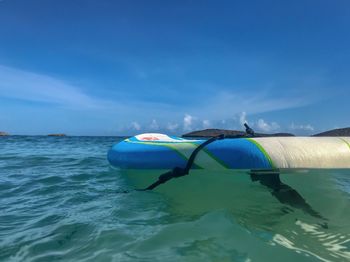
column 97, row 67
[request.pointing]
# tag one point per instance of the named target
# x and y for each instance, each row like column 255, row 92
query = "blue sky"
column 125, row 67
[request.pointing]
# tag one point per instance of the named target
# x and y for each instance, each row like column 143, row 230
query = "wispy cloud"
column 305, row 127
column 172, row 127
column 243, row 118
column 154, row 125
column 227, row 103
column 206, row 123
column 135, row 126
column 220, row 109
column 267, row 127
column 29, row 86
column 224, row 104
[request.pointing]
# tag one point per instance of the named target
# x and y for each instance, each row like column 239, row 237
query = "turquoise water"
column 61, row 201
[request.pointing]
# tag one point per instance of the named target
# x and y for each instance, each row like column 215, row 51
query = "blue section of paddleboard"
column 239, row 154
column 143, row 156
column 232, row 153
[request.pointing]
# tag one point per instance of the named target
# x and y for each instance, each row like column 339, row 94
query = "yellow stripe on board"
column 346, row 142
column 203, row 159
column 262, row 150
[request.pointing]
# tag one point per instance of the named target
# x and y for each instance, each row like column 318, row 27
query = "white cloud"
column 154, row 125
column 206, row 123
column 306, row 127
column 243, row 118
column 267, row 127
column 232, row 123
column 187, row 122
column 172, row 126
column 136, row 126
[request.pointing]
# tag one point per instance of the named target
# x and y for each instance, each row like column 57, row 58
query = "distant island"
column 336, row 132
column 235, row 133
column 56, row 135
column 4, row 134
column 227, row 133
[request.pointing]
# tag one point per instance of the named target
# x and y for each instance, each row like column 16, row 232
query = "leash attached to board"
column 178, row 171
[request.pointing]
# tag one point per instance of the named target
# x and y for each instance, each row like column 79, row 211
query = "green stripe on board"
column 219, row 161
column 181, row 154
column 262, row 151
column 346, row 142
column 216, row 159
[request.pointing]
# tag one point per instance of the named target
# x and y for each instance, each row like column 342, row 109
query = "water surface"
column 61, row 201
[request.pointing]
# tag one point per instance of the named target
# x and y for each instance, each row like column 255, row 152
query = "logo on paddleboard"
column 159, row 138
column 149, row 138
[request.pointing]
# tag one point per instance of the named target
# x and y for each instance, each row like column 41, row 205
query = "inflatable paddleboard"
column 159, row 151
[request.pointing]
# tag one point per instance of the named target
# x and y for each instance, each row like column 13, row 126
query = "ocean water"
column 61, row 201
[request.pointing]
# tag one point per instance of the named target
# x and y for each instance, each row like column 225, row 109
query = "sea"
column 60, row 200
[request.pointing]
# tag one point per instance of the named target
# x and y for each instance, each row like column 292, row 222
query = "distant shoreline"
column 59, row 134
column 228, row 133
column 204, row 133
column 68, row 136
column 234, row 133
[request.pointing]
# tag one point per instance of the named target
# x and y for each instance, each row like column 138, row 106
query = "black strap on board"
column 178, row 171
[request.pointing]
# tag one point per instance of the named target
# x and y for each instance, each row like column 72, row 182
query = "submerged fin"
column 283, row 192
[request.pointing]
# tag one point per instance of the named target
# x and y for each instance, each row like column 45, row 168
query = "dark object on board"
column 336, row 132
column 56, row 135
column 248, row 130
